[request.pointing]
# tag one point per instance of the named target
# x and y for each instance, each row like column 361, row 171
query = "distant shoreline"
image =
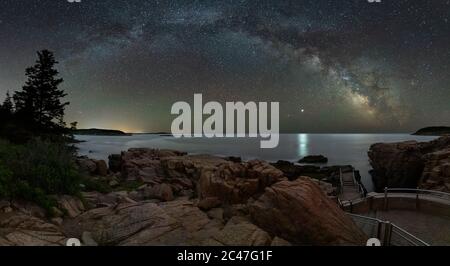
column 100, row 132
column 433, row 131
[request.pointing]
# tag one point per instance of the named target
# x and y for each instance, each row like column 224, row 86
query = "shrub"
column 36, row 170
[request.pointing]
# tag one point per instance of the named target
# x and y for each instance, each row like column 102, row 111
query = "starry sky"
column 334, row 66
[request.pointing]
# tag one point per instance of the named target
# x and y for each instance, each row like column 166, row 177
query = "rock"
column 411, row 164
column 209, row 203
column 171, row 223
column 235, row 210
column 145, row 164
column 57, row 212
column 396, row 164
column 28, row 208
column 101, row 168
column 86, row 166
column 159, row 191
column 113, row 183
column 4, row 204
column 234, row 183
column 216, row 213
column 234, row 159
column 436, row 173
column 280, row 242
column 57, row 221
column 300, row 212
column 18, row 229
column 293, row 171
column 240, row 232
column 115, row 163
column 207, row 176
column 314, row 159
column 72, row 206
column 87, row 240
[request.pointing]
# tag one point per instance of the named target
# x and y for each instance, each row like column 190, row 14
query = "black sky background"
column 334, row 66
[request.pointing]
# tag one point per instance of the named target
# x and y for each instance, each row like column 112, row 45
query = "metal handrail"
column 360, row 186
column 410, row 235
column 405, row 235
column 438, row 194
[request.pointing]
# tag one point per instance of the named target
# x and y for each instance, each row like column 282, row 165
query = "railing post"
column 417, row 199
column 379, row 230
column 387, row 233
column 385, row 198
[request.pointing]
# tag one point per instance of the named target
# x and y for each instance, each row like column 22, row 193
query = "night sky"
column 334, row 66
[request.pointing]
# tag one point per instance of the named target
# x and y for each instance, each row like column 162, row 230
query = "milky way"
column 334, row 66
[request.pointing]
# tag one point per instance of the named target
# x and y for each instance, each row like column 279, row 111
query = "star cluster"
column 334, row 66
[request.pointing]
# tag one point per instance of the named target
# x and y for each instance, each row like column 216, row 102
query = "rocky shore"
column 164, row 197
column 412, row 164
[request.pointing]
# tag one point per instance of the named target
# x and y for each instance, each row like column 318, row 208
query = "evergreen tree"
column 39, row 102
column 7, row 105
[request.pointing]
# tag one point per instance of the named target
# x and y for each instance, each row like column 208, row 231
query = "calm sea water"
column 339, row 148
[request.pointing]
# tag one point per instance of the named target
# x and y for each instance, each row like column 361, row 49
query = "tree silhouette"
column 7, row 106
column 39, row 103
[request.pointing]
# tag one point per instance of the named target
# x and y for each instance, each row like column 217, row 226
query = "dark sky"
column 352, row 66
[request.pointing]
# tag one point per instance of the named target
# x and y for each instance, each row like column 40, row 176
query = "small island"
column 100, row 132
column 433, row 131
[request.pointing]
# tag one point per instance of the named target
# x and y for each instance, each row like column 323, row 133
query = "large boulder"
column 91, row 167
column 396, row 164
column 301, row 213
column 411, row 164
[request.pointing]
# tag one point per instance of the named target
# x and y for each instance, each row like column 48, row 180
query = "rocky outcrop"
column 314, row 159
column 214, row 180
column 19, row 229
column 162, row 197
column 301, row 213
column 396, row 164
column 436, row 173
column 411, row 164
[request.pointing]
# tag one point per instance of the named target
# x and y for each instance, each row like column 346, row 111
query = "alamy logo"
column 236, row 122
column 74, row 1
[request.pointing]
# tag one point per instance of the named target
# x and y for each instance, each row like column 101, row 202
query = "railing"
column 417, row 192
column 362, row 191
column 388, row 233
column 341, row 188
column 431, row 193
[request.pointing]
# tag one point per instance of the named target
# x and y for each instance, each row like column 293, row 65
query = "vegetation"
column 37, row 170
column 36, row 158
column 37, row 110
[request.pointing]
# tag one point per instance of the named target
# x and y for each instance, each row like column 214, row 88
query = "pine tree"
column 7, row 105
column 39, row 102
